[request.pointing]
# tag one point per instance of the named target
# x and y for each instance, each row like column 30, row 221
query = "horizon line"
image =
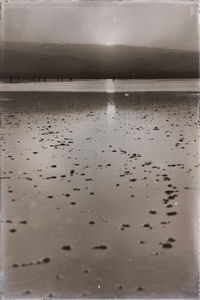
column 99, row 44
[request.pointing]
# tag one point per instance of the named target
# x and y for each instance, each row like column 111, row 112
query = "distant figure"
column 113, row 78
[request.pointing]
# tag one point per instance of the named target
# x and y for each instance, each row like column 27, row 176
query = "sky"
column 171, row 25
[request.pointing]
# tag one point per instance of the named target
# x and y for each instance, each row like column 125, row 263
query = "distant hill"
column 32, row 60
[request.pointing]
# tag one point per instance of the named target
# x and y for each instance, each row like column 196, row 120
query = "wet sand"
column 100, row 195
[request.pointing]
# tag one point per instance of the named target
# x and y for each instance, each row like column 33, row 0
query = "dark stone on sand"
column 167, row 245
column 46, row 260
column 153, row 212
column 92, row 222
column 120, row 287
column 15, row 265
column 172, row 213
column 72, row 172
column 133, row 179
column 51, row 177
column 146, row 225
column 172, row 197
column 67, row 248
column 168, row 192
column 140, row 289
column 28, row 178
column 126, row 225
column 23, row 222
column 101, row 247
column 27, row 292
column 171, row 240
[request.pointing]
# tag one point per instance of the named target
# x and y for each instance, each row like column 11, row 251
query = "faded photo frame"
column 100, row 139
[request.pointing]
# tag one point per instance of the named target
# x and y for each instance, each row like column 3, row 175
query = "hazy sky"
column 171, row 25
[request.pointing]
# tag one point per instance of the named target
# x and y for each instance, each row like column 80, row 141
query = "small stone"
column 101, row 247
column 92, row 222
column 167, row 245
column 171, row 240
column 153, row 212
column 172, row 213
column 23, row 222
column 67, row 248
column 46, row 260
column 15, row 265
column 140, row 289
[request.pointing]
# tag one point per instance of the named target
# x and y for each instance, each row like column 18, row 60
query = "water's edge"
column 107, row 85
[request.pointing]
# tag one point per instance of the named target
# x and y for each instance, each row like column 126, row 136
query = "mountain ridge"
column 95, row 61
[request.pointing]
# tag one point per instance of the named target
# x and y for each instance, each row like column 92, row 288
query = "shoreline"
column 105, row 85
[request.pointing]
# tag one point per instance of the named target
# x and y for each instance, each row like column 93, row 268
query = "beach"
column 99, row 191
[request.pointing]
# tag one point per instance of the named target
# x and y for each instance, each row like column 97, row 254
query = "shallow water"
column 100, row 194
column 105, row 85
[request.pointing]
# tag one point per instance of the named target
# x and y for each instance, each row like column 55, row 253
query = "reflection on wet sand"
column 99, row 195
